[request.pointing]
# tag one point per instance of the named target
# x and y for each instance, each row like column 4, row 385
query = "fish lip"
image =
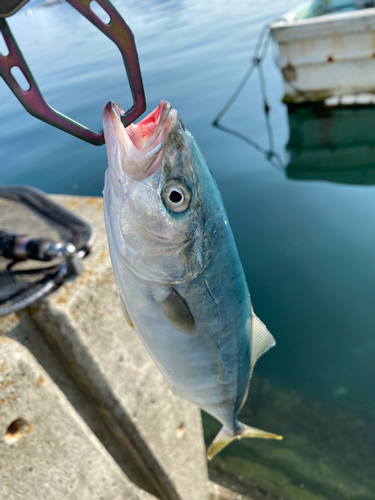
column 139, row 145
column 162, row 110
column 112, row 113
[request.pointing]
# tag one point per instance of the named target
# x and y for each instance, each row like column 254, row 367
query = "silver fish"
column 181, row 281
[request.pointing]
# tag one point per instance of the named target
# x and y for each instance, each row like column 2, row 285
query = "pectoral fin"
column 126, row 314
column 177, row 311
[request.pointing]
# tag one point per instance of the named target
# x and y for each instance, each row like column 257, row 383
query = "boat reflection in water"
column 336, row 145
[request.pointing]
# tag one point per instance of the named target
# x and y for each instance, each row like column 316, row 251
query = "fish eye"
column 176, row 196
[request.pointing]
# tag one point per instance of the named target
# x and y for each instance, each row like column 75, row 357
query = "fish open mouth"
column 138, row 147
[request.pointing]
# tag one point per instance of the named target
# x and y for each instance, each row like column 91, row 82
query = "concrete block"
column 46, row 450
column 83, row 322
column 21, row 328
column 218, row 492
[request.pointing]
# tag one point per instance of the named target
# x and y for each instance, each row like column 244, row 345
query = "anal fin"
column 126, row 314
column 176, row 393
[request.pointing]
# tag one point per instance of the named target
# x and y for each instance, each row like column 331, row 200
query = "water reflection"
column 335, row 145
column 269, row 153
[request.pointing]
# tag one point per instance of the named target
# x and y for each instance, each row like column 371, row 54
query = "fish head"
column 159, row 196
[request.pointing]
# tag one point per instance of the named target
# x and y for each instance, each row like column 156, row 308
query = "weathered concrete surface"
column 20, row 327
column 218, row 492
column 46, row 450
column 83, row 322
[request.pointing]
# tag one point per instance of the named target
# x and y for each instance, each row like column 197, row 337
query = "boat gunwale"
column 362, row 20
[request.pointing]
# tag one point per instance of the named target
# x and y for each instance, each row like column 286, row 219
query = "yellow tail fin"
column 224, row 437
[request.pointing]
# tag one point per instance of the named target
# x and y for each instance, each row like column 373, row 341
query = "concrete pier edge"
column 105, row 383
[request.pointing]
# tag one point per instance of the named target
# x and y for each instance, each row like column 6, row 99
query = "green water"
column 305, row 230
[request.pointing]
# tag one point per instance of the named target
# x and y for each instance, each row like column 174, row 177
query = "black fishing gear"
column 41, row 246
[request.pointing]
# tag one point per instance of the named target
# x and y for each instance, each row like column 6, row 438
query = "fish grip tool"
column 41, row 246
column 32, row 99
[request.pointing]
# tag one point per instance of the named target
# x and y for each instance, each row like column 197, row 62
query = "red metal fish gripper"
column 32, row 99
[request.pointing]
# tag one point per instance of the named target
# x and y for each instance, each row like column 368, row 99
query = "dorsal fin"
column 260, row 338
column 260, row 341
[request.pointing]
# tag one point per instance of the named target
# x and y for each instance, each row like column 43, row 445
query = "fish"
column 181, row 282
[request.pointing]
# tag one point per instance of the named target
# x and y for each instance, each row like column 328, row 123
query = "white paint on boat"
column 325, row 56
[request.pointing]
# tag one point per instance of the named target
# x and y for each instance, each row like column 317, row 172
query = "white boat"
column 327, row 50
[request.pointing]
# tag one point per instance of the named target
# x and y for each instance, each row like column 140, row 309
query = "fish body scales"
column 180, row 277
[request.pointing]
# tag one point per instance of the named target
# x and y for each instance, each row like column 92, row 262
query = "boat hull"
column 326, row 56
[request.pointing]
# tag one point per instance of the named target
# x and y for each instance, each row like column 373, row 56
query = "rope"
column 260, row 53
